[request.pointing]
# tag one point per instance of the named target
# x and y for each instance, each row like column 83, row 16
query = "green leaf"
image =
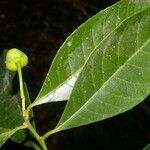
column 10, row 109
column 116, row 76
column 147, row 147
column 5, row 134
column 75, row 51
column 32, row 144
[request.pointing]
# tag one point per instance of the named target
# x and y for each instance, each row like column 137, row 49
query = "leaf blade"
column 10, row 109
column 10, row 103
column 77, row 48
column 113, row 83
column 5, row 134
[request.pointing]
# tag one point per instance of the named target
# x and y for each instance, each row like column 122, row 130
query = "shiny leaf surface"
column 116, row 76
column 76, row 50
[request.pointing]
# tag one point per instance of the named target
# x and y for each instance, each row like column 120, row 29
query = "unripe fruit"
column 14, row 57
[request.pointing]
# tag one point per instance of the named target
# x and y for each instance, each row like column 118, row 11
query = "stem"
column 40, row 139
column 21, row 88
column 19, row 128
column 46, row 135
column 37, row 137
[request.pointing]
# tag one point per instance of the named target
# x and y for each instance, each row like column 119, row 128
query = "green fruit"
column 15, row 57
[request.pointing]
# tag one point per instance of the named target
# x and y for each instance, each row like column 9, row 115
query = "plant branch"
column 37, row 137
column 46, row 135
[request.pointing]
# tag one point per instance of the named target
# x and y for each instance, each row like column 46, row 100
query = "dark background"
column 39, row 27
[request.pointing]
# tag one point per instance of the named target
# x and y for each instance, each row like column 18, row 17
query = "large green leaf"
column 116, row 76
column 76, row 49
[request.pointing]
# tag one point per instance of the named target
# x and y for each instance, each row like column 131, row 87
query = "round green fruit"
column 14, row 57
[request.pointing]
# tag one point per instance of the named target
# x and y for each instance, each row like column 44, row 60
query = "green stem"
column 21, row 87
column 25, row 111
column 19, row 128
column 46, row 135
column 37, row 137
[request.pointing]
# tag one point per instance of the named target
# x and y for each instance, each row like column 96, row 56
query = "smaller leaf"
column 32, row 144
column 5, row 134
column 10, row 108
